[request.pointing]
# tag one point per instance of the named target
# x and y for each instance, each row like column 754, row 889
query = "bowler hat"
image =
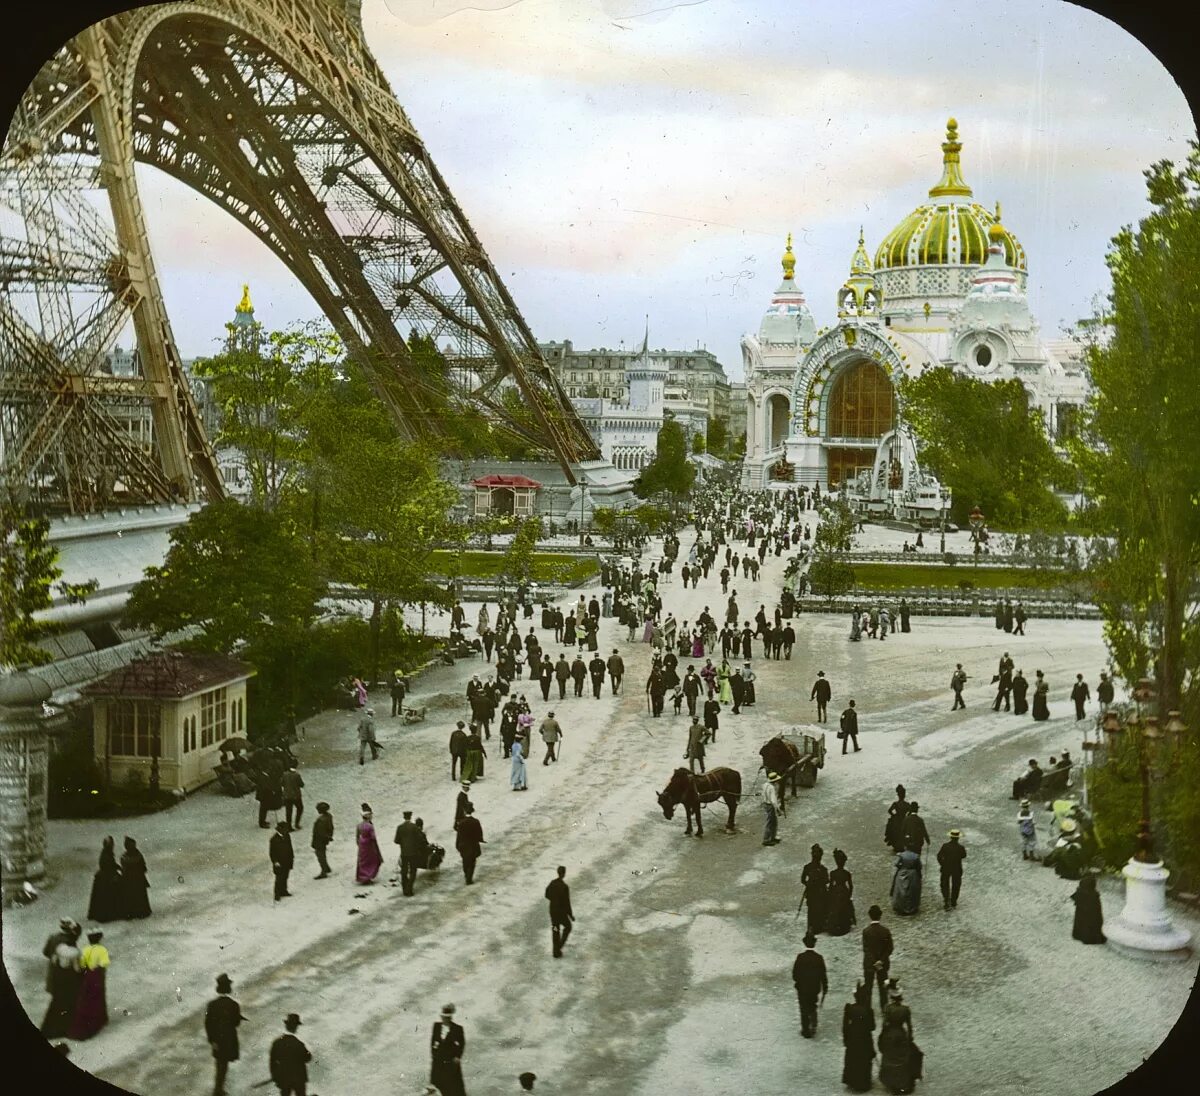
column 447, row 1010
column 292, row 1022
column 224, row 983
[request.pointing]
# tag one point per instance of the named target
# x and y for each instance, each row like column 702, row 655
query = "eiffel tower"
column 275, row 110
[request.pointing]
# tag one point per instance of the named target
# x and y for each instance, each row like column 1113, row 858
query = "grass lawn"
column 548, row 567
column 897, row 576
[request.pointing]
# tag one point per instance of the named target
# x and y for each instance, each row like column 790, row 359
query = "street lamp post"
column 582, row 498
column 1144, row 929
column 944, row 495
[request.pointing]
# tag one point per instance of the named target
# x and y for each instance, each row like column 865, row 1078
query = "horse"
column 782, row 757
column 693, row 790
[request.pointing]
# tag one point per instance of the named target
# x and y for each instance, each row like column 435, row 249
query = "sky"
column 629, row 158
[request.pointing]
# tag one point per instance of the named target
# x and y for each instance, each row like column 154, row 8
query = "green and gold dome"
column 949, row 230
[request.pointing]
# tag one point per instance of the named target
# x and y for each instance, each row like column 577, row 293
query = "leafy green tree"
column 28, row 569
column 829, row 573
column 718, row 436
column 670, row 472
column 982, row 440
column 518, row 559
column 262, row 383
column 698, row 443
column 1137, row 449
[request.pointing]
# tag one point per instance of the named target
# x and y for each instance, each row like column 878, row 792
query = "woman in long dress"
column 906, row 883
column 105, row 904
column 370, row 859
column 569, row 629
column 896, row 1050
column 893, row 831
column 1089, row 917
column 697, row 644
column 472, row 768
column 91, row 1007
column 814, row 878
column 1041, row 696
column 858, row 1021
column 484, row 620
column 841, row 897
column 135, row 901
column 724, row 692
column 518, row 778
column 63, row 981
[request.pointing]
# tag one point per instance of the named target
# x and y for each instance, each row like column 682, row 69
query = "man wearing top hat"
column 446, row 1046
column 221, row 1020
column 289, row 1060
column 283, row 857
column 950, row 859
column 413, row 847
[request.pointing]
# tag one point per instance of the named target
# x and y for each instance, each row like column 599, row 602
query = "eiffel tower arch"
column 277, row 111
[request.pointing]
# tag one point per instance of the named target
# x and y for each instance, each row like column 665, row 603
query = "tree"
column 262, row 384
column 670, row 472
column 829, row 574
column 517, row 567
column 698, row 443
column 1137, row 449
column 982, row 440
column 28, row 569
column 718, row 436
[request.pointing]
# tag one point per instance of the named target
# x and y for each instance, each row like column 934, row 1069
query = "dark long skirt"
column 91, row 1008
column 856, row 1066
column 1041, row 710
column 1020, row 704
column 840, row 915
column 1089, row 919
column 447, row 1078
column 105, row 904
column 63, row 996
column 817, row 902
column 895, row 1060
column 135, row 895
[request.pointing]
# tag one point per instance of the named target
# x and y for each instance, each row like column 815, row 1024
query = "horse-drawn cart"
column 796, row 755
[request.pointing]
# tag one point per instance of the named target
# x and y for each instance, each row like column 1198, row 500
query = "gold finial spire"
column 861, row 262
column 997, row 210
column 951, row 181
column 244, row 304
column 789, row 261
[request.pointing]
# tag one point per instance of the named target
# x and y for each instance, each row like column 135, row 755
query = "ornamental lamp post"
column 582, row 499
column 1143, row 929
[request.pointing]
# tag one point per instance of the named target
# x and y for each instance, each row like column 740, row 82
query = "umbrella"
column 235, row 744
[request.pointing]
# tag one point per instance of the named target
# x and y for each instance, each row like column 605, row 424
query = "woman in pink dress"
column 697, row 645
column 370, row 859
column 360, row 693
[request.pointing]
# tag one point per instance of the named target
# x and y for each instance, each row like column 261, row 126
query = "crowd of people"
column 704, row 664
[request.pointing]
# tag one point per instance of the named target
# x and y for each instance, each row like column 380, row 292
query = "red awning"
column 504, row 481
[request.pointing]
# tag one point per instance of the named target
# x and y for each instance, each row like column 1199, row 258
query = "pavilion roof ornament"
column 951, row 181
column 789, row 261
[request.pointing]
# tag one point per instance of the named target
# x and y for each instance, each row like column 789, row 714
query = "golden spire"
column 951, row 181
column 244, row 304
column 861, row 262
column 789, row 261
column 997, row 211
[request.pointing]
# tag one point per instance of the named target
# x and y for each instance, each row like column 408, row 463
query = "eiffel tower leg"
column 183, row 450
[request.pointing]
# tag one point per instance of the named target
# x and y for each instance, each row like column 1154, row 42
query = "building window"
column 214, row 717
column 134, row 728
column 862, row 403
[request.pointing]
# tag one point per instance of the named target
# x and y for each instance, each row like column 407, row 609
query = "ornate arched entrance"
column 779, row 413
column 860, row 410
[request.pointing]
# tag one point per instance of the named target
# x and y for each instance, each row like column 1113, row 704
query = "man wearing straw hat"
column 950, row 859
column 770, row 802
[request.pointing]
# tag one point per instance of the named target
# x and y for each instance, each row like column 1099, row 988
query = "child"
column 1028, row 828
column 677, row 698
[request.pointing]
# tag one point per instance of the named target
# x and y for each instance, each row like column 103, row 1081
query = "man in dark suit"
column 877, row 953
column 950, row 859
column 1003, row 683
column 282, row 858
column 616, row 670
column 558, row 894
column 691, row 689
column 446, row 1046
column 821, row 692
column 221, row 1020
column 322, row 835
column 596, row 672
column 578, row 674
column 289, row 1060
column 849, row 725
column 468, row 839
column 412, row 848
column 808, row 974
column 916, row 836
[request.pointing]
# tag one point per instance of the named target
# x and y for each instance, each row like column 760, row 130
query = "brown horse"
column 693, row 790
column 781, row 756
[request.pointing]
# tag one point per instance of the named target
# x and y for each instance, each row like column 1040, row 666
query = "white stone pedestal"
column 1144, row 930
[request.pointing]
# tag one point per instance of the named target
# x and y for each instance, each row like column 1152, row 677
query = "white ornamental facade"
column 946, row 288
